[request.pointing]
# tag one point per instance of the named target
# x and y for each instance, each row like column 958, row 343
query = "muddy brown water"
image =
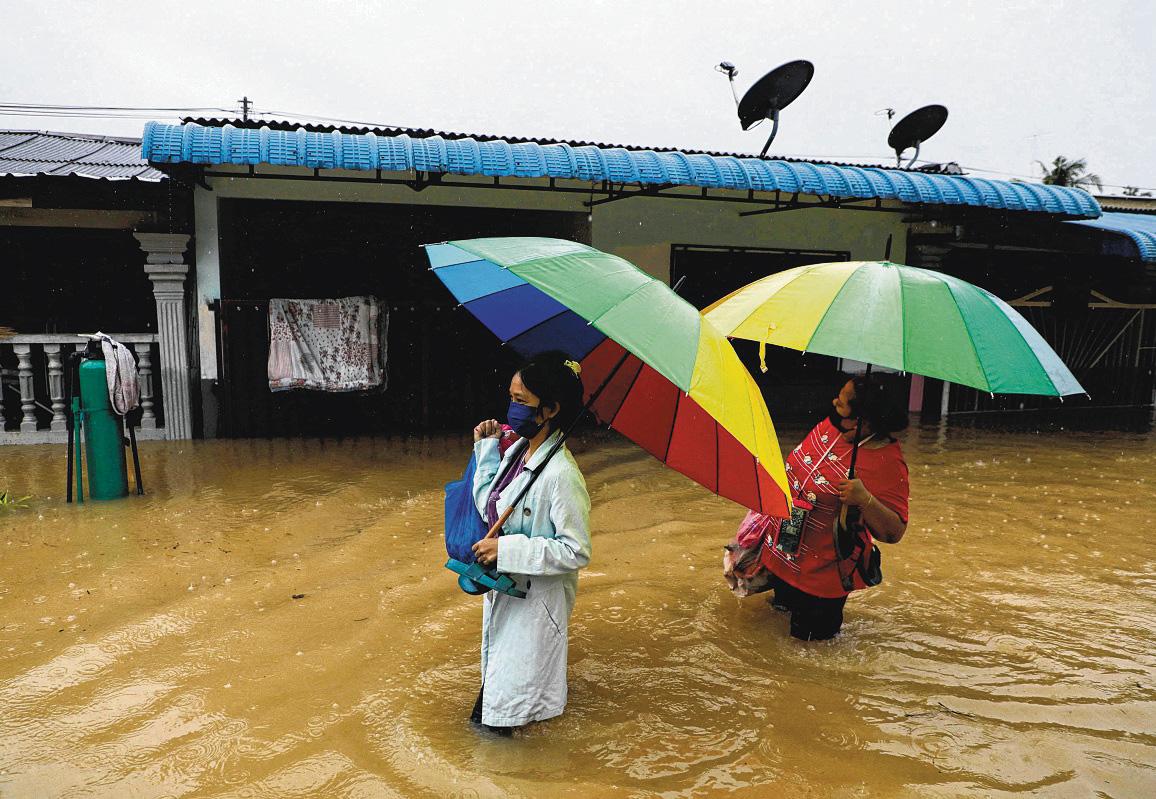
column 153, row 647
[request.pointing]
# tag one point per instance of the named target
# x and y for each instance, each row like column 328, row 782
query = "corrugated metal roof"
column 29, row 152
column 1139, row 204
column 199, row 144
column 9, row 138
column 425, row 133
column 114, row 154
column 1140, row 228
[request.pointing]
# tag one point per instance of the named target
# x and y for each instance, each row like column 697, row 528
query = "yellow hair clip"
column 574, row 367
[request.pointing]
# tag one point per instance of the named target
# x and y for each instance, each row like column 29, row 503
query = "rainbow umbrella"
column 910, row 319
column 658, row 373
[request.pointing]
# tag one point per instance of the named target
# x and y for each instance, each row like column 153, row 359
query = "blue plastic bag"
column 464, row 525
column 464, row 528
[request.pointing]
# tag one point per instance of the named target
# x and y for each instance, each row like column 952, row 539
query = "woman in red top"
column 811, row 582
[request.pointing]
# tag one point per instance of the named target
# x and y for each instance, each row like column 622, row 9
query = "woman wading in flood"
column 542, row 546
column 810, row 579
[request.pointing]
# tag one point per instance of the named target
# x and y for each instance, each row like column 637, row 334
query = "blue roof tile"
column 1140, row 228
column 225, row 144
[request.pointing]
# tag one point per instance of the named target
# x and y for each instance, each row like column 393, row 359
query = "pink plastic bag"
column 753, row 529
column 742, row 558
column 506, row 440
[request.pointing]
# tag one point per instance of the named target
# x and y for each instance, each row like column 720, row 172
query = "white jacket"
column 542, row 546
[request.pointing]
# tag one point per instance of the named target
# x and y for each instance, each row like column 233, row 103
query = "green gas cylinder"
column 103, row 435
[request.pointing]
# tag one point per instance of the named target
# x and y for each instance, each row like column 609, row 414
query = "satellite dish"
column 771, row 94
column 914, row 129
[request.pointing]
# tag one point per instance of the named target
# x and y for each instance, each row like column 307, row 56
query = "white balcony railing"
column 32, row 367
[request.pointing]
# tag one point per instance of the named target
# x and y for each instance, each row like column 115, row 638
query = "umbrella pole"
column 858, row 437
column 849, row 518
column 855, row 447
column 553, row 450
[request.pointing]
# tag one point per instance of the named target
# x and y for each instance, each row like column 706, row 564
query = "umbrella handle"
column 501, row 520
column 858, row 437
column 855, row 447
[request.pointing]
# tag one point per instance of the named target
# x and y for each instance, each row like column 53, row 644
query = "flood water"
column 154, row 647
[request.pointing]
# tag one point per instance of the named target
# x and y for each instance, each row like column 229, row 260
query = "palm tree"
column 1064, row 172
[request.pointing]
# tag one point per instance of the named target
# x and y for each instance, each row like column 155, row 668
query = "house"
column 282, row 210
column 78, row 215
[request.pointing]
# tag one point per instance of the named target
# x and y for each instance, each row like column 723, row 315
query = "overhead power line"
column 147, row 112
column 316, row 118
column 73, row 115
column 61, row 111
column 50, row 106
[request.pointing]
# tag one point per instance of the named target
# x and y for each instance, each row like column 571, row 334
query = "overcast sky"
column 1023, row 80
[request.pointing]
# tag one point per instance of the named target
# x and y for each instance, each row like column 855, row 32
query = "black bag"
column 848, row 530
column 851, row 544
column 870, row 566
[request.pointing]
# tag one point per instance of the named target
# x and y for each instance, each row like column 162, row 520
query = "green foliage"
column 9, row 502
column 1066, row 172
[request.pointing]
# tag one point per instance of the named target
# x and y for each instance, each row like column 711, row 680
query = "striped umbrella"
column 905, row 318
column 659, row 373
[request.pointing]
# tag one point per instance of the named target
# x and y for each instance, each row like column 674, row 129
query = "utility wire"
column 316, row 118
column 53, row 107
column 144, row 112
column 879, row 158
column 65, row 115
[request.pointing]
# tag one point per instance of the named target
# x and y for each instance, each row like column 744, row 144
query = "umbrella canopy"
column 902, row 317
column 669, row 380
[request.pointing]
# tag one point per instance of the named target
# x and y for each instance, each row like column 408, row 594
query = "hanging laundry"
column 120, row 371
column 327, row 345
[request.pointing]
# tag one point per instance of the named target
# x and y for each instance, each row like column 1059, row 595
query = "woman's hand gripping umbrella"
column 652, row 368
column 901, row 317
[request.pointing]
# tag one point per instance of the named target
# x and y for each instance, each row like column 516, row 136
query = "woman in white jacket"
column 542, row 545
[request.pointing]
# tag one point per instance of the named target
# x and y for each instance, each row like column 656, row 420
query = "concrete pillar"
column 945, row 400
column 208, row 279
column 207, row 290
column 167, row 270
